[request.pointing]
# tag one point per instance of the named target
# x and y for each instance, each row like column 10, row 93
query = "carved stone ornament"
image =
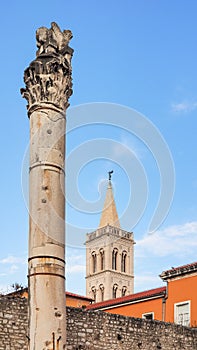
column 48, row 78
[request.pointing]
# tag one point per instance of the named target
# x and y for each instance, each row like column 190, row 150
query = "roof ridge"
column 175, row 271
column 130, row 297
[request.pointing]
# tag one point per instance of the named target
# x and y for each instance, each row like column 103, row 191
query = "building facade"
column 109, row 256
column 181, row 302
column 71, row 300
column 174, row 303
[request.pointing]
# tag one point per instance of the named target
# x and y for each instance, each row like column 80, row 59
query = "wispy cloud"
column 141, row 279
column 126, row 147
column 12, row 268
column 11, row 264
column 13, row 260
column 173, row 240
column 76, row 269
column 183, row 107
column 75, row 264
column 4, row 289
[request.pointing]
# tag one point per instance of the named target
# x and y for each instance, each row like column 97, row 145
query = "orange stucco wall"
column 76, row 302
column 137, row 309
column 181, row 290
column 71, row 300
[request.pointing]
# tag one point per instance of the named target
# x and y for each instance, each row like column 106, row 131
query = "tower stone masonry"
column 109, row 255
column 48, row 87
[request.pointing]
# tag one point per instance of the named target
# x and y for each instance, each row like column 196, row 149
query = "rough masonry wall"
column 88, row 330
column 13, row 323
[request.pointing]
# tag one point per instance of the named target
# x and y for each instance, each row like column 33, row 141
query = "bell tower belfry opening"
column 109, row 255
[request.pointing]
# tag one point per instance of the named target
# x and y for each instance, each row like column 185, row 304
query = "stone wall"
column 103, row 331
column 13, row 323
column 88, row 330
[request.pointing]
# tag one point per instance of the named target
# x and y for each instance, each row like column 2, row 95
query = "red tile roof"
column 180, row 270
column 73, row 295
column 156, row 292
column 69, row 294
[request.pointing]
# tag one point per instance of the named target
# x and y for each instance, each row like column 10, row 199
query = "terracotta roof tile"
column 129, row 298
column 69, row 294
column 180, row 270
column 73, row 295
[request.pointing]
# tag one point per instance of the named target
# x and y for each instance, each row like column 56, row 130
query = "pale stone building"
column 109, row 255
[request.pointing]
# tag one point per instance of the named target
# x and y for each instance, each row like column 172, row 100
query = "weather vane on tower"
column 110, row 174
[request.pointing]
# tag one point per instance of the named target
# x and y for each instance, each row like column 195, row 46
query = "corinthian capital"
column 48, row 78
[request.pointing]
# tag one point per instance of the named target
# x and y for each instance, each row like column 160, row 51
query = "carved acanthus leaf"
column 48, row 78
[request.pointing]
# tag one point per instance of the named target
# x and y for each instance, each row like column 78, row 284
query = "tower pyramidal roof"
column 109, row 214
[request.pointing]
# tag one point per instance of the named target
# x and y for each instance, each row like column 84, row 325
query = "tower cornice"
column 109, row 230
column 113, row 273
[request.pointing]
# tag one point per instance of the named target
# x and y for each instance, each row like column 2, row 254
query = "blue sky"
column 138, row 54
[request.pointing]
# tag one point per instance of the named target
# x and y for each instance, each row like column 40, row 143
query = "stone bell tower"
column 48, row 88
column 109, row 255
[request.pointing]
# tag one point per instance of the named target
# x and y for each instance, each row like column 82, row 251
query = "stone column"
column 48, row 87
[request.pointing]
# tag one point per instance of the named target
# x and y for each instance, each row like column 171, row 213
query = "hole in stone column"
column 59, row 315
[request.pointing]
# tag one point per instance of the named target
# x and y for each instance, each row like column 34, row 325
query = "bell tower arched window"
column 123, row 261
column 101, row 287
column 94, row 293
column 114, row 291
column 94, row 262
column 102, row 258
column 114, row 258
column 124, row 289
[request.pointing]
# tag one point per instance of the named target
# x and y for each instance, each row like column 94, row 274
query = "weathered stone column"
column 48, row 88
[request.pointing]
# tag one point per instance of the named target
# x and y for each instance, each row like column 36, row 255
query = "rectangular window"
column 148, row 316
column 182, row 313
